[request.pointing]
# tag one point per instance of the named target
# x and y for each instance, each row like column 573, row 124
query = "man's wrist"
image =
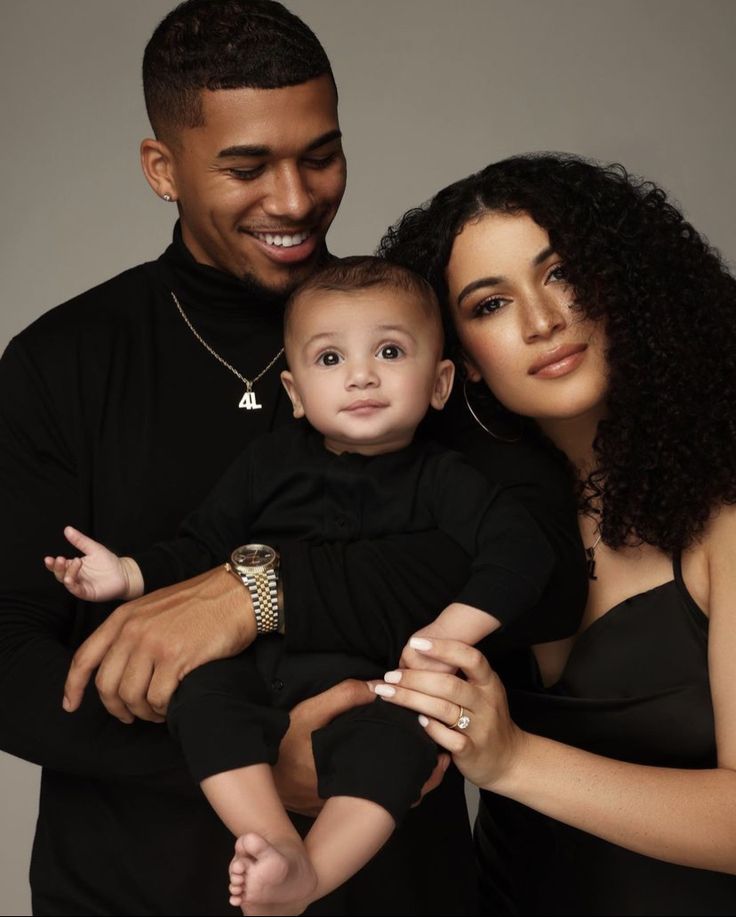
column 243, row 605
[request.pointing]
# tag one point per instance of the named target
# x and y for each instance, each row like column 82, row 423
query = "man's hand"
column 294, row 773
column 147, row 646
column 436, row 777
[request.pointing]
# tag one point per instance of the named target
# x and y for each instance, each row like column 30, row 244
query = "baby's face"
column 365, row 366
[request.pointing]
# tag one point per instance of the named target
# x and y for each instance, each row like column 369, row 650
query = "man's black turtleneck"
column 115, row 419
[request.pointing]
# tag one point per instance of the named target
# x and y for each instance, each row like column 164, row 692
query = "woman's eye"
column 488, row 306
column 328, row 358
column 558, row 273
column 390, row 352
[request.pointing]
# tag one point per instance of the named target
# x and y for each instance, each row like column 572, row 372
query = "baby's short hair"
column 358, row 272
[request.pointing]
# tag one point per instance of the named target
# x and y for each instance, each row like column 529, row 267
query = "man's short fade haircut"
column 224, row 44
column 360, row 272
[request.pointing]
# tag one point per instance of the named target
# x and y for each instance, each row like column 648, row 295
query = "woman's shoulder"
column 718, row 542
column 707, row 565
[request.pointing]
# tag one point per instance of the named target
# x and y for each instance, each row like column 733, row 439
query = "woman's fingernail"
column 423, row 720
column 420, row 643
column 66, row 704
column 393, row 677
column 385, row 690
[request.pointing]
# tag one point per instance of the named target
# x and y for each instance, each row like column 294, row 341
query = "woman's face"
column 514, row 315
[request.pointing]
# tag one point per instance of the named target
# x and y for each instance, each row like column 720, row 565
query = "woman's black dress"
column 635, row 688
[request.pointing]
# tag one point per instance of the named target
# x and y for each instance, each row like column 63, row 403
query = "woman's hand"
column 488, row 748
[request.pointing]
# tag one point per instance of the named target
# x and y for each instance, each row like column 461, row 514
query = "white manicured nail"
column 420, row 643
column 423, row 720
column 393, row 677
column 385, row 690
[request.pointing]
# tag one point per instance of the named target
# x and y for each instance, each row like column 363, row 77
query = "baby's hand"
column 411, row 659
column 98, row 576
column 458, row 622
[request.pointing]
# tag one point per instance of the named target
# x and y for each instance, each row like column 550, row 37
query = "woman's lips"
column 558, row 362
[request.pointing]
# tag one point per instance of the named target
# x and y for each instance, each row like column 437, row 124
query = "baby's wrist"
column 133, row 577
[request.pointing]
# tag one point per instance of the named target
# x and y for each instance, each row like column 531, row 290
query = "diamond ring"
column 462, row 721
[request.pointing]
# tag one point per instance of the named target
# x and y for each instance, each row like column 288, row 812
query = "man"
column 118, row 410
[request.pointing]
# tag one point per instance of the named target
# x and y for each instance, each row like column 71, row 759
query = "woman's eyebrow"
column 494, row 281
column 476, row 285
column 543, row 255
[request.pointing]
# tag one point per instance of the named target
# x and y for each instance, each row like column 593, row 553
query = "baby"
column 364, row 345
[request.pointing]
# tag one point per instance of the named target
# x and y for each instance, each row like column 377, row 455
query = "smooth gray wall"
column 429, row 91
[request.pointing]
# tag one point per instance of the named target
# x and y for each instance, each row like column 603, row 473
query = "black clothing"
column 540, row 482
column 287, row 484
column 635, row 688
column 113, row 418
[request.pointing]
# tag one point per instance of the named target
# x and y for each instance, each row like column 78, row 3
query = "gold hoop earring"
column 501, row 439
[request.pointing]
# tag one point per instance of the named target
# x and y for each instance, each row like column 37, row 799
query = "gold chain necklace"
column 590, row 557
column 248, row 401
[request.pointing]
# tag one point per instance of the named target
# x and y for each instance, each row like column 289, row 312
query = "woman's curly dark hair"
column 666, row 452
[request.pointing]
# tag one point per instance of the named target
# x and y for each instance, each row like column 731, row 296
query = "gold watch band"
column 266, row 598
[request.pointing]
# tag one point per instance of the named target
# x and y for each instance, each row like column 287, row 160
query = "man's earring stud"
column 167, row 198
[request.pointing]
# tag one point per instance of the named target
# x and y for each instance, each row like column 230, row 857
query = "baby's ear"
column 287, row 380
column 444, row 375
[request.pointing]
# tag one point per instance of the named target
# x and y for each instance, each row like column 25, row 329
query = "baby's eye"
column 390, row 352
column 329, row 358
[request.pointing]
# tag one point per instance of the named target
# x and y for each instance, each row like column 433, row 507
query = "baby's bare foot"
column 263, row 875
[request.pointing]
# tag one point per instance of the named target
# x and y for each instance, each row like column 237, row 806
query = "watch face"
column 249, row 556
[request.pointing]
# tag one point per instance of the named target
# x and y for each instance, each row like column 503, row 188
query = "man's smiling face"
column 259, row 183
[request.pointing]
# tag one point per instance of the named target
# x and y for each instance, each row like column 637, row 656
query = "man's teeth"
column 283, row 241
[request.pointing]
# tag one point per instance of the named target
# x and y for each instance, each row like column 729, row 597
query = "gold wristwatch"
column 257, row 567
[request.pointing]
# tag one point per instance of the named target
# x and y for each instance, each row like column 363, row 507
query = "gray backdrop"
column 429, row 91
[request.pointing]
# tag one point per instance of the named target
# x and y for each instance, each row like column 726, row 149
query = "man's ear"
column 287, row 380
column 157, row 162
column 444, row 375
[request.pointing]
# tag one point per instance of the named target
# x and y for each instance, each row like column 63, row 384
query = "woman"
column 605, row 325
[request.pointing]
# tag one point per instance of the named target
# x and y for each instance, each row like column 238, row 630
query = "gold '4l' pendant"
column 249, row 401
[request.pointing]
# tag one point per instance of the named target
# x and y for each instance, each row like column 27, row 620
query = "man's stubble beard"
column 277, row 296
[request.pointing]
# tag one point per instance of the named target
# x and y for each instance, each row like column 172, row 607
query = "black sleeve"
column 369, row 596
column 539, row 478
column 378, row 752
column 39, row 620
column 512, row 559
column 209, row 534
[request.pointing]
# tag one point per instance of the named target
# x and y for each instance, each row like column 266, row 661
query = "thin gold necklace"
column 590, row 557
column 248, row 401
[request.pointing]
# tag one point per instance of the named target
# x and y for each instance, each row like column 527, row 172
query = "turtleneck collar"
column 207, row 290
